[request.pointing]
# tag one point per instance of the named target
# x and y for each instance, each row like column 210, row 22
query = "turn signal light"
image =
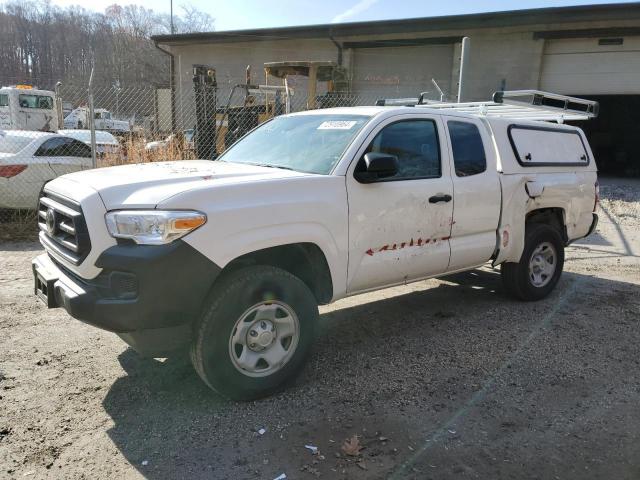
column 189, row 223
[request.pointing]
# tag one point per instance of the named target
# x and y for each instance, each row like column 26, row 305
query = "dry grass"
column 22, row 224
column 134, row 152
column 18, row 225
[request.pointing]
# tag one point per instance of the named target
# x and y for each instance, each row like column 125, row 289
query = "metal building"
column 591, row 51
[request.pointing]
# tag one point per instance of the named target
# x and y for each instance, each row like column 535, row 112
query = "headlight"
column 153, row 227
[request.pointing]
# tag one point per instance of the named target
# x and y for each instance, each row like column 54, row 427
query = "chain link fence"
column 47, row 133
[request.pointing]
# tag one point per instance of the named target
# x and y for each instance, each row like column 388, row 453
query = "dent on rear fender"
column 571, row 192
column 515, row 202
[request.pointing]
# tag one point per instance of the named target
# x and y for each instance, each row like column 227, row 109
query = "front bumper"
column 148, row 295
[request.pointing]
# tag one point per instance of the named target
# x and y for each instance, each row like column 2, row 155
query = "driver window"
column 415, row 143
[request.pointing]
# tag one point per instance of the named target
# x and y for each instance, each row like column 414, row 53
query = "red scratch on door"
column 412, row 243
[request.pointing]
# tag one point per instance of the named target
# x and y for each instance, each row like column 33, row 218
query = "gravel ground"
column 440, row 379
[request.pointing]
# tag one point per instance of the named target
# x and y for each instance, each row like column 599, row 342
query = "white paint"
column 251, row 208
column 15, row 116
column 476, row 210
column 79, row 118
column 94, row 211
column 390, row 214
column 21, row 191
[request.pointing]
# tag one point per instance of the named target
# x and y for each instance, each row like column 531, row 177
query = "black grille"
column 62, row 228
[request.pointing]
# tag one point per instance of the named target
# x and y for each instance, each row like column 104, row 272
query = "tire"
column 249, row 313
column 534, row 277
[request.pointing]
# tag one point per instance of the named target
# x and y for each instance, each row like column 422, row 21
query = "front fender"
column 245, row 218
column 225, row 249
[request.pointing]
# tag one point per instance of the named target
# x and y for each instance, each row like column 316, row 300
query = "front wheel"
column 255, row 332
column 539, row 268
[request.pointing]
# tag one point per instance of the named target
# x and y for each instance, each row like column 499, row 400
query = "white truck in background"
column 232, row 257
column 23, row 107
column 79, row 119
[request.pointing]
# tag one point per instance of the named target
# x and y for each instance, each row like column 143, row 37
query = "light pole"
column 171, row 14
column 117, row 88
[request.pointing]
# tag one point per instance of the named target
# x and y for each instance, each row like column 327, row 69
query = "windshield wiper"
column 273, row 166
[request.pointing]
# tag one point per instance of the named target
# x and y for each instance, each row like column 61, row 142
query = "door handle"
column 440, row 198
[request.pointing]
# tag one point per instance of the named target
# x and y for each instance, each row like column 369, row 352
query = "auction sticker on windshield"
column 337, row 125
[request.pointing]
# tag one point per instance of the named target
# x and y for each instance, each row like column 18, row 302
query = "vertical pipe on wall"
column 464, row 59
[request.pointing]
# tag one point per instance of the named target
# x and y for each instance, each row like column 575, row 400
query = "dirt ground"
column 440, row 379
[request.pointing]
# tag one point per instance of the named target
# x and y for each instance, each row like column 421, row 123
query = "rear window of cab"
column 35, row 101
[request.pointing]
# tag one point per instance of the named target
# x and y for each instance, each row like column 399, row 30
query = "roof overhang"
column 538, row 16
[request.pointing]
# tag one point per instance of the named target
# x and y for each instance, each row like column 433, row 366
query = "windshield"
column 13, row 144
column 305, row 143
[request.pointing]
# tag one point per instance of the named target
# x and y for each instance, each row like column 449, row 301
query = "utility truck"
column 79, row 119
column 23, row 107
column 231, row 258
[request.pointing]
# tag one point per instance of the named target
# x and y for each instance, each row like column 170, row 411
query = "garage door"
column 592, row 66
column 396, row 72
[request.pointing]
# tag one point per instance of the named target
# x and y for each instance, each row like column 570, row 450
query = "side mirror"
column 375, row 166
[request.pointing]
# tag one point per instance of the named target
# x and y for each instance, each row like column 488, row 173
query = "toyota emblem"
column 51, row 221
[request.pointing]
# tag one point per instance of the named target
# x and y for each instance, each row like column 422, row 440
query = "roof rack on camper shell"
column 515, row 104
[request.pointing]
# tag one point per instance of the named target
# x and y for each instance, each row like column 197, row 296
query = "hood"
column 144, row 185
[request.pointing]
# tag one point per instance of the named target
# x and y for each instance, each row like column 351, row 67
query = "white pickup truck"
column 79, row 119
column 232, row 257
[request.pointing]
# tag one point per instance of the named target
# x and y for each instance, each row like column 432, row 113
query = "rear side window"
column 468, row 150
column 63, row 147
column 415, row 143
column 543, row 146
column 4, row 100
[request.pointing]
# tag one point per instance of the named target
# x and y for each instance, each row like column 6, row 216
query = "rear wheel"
column 255, row 332
column 539, row 269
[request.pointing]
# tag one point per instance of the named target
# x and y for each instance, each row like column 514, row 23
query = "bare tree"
column 193, row 20
column 41, row 43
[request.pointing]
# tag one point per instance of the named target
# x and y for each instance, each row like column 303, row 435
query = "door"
column 476, row 211
column 399, row 227
column 401, row 71
column 65, row 155
column 37, row 110
column 592, row 66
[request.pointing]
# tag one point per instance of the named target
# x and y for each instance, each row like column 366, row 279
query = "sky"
column 243, row 14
